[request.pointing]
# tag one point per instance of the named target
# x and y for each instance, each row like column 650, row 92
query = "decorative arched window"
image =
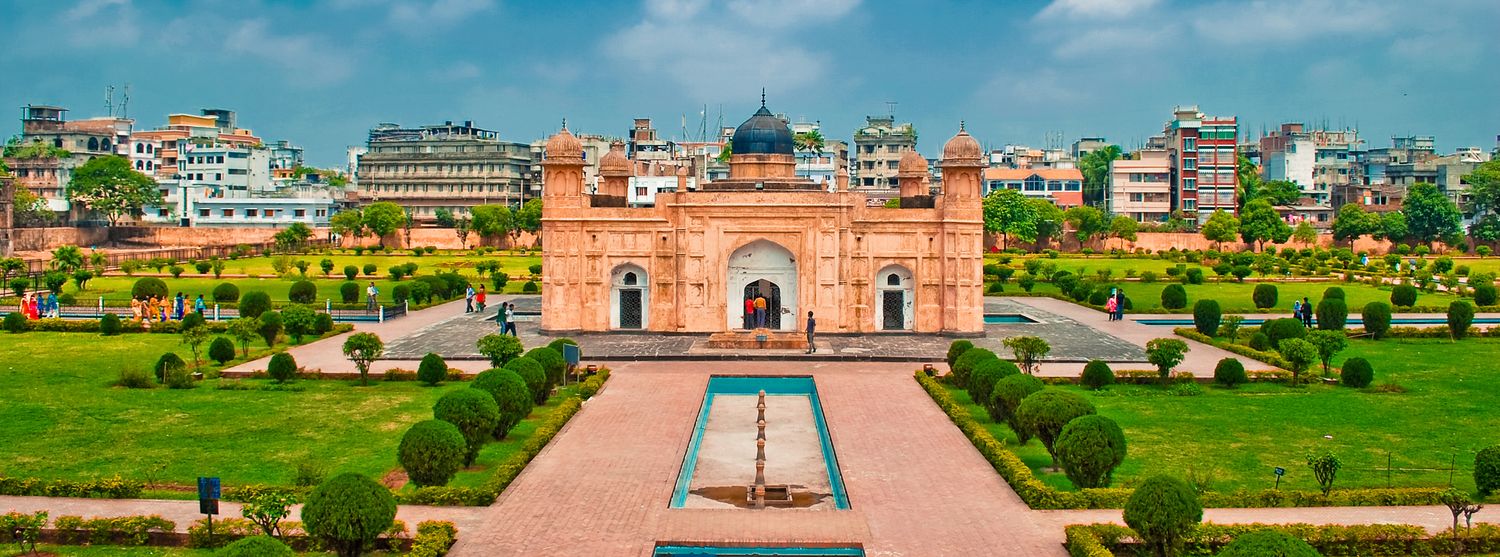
column 140, row 147
column 893, row 280
column 93, row 144
column 630, row 279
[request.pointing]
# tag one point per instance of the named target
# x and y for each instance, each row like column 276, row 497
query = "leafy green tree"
column 1393, row 227
column 810, row 141
column 109, row 186
column 348, row 512
column 383, row 218
column 1088, row 223
column 1280, row 192
column 66, row 259
column 1221, row 227
column 1162, row 511
column 1044, row 414
column 1165, row 354
column 29, row 211
column 1090, row 447
column 1095, row 168
column 529, row 217
column 444, row 217
column 245, row 330
column 1353, row 221
column 363, row 349
column 1299, row 354
column 461, row 228
column 1484, row 200
column 1049, row 219
column 1304, row 233
column 1008, row 213
column 1249, row 180
column 1430, row 215
column 293, row 237
column 499, row 348
column 1261, row 223
column 1123, row 227
column 491, row 220
column 267, row 509
column 348, row 223
column 1328, row 343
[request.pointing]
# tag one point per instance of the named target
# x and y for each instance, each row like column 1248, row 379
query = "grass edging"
column 1102, row 540
column 1267, row 357
column 1039, row 495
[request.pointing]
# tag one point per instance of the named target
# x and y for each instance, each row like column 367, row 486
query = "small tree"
column 244, row 330
column 348, row 512
column 432, row 370
column 1162, row 511
column 1325, row 468
column 1044, row 414
column 1029, row 351
column 194, row 337
column 1230, row 373
column 964, row 366
column 299, row 321
column 1165, row 354
column 534, row 375
column 511, row 397
column 1377, row 319
column 1333, row 313
column 1266, row 543
column 499, row 348
column 1264, row 296
column 282, row 367
column 1207, row 316
column 1487, row 471
column 1174, row 296
column 1006, row 397
column 1357, row 373
column 474, row 413
column 351, row 272
column 1299, row 354
column 254, row 303
column 1090, row 447
column 1460, row 318
column 363, row 349
column 267, row 509
column 1097, row 375
column 269, row 326
column 1329, row 344
column 432, row 451
column 986, row 373
column 327, row 266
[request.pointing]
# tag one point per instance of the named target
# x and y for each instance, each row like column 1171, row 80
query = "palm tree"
column 811, row 140
column 1095, row 169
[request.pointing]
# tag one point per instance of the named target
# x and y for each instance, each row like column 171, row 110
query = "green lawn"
column 515, row 265
column 1238, row 436
column 64, row 420
column 1087, row 266
column 1235, row 297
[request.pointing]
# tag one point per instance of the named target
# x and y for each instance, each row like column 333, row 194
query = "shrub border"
column 1097, row 540
column 1268, row 357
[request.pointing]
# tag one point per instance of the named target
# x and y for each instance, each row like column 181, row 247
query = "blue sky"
column 322, row 73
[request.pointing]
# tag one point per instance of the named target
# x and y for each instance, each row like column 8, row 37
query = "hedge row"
column 434, row 538
column 1151, row 376
column 504, row 473
column 127, row 325
column 1246, row 351
column 119, row 530
column 107, row 488
column 1039, row 495
column 227, row 530
column 1436, row 331
column 1106, row 540
column 592, row 385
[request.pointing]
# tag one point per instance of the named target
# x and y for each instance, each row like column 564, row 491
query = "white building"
column 641, row 190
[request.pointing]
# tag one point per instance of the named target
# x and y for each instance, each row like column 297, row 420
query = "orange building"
column 690, row 262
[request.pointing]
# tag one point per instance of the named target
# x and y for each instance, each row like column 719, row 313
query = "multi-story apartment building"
column 1021, row 156
column 878, row 147
column 819, row 165
column 644, row 144
column 1086, row 145
column 449, row 166
column 1063, row 186
column 1141, row 187
column 1316, row 160
column 51, row 146
column 1201, row 150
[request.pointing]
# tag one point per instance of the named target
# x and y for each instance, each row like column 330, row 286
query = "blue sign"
column 208, row 488
column 1280, row 471
column 571, row 354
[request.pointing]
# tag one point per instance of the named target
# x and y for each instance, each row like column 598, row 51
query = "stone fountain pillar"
column 760, row 452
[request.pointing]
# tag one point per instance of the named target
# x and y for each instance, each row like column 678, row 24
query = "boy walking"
column 812, row 327
column 469, row 299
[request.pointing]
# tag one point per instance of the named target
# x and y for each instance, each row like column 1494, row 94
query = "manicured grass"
column 64, row 420
column 1087, row 266
column 496, row 452
column 1235, row 297
column 515, row 265
column 1239, row 436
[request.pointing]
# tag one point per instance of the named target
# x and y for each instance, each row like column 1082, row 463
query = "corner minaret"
column 562, row 170
column 911, row 173
column 614, row 171
column 962, row 163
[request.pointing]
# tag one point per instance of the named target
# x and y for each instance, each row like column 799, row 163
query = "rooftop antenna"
column 109, row 100
column 890, row 109
column 125, row 102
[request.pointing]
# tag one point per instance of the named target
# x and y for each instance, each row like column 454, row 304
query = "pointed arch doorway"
column 764, row 268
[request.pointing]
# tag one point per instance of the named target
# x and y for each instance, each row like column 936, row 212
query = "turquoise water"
column 1000, row 318
column 773, row 386
column 696, row 551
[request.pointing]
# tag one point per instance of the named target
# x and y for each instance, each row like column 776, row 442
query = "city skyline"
column 1075, row 67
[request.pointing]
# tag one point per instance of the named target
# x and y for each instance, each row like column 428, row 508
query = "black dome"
column 762, row 134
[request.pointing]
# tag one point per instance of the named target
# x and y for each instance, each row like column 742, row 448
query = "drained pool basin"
column 1006, row 318
column 720, row 461
column 709, row 551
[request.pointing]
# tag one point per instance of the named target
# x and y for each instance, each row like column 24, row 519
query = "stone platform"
column 756, row 340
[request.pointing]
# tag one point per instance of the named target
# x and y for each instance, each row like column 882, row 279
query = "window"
column 1190, row 144
column 237, row 155
column 630, row 279
column 640, row 192
column 1035, row 183
column 203, row 212
column 140, row 147
column 161, row 213
column 1137, row 197
column 893, row 280
column 1190, row 184
column 251, row 212
column 238, row 171
column 1189, row 164
column 1190, row 204
column 228, row 212
column 321, row 212
column 219, row 159
column 299, row 213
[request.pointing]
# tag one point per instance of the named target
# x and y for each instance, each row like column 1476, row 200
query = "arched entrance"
column 765, row 268
column 629, row 298
column 893, row 299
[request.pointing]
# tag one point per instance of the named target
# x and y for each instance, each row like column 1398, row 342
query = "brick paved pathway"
column 184, row 513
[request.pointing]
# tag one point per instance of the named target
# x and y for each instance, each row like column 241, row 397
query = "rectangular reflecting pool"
column 1006, row 318
column 710, row 551
column 720, row 459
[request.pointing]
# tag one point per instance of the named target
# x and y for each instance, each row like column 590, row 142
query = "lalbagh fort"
column 600, row 297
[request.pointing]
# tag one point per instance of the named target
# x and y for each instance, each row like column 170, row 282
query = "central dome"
column 762, row 134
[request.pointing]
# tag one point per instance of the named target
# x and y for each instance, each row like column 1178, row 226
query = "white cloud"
column 1110, row 41
column 303, row 59
column 458, row 71
column 100, row 23
column 1094, row 9
column 419, row 17
column 1270, row 23
column 675, row 9
column 790, row 13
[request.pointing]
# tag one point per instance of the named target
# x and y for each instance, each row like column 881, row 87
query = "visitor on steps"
column 469, row 299
column 760, row 311
column 749, row 313
column 812, row 327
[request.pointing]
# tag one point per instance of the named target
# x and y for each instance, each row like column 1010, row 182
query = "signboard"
column 571, row 354
column 1280, row 471
column 208, row 506
column 208, row 488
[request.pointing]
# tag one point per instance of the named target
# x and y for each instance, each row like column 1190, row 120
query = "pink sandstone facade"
column 688, row 263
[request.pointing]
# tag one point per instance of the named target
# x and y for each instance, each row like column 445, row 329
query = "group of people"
column 156, row 308
column 474, row 299
column 506, row 317
column 1115, row 305
column 36, row 306
column 1303, row 310
column 755, row 312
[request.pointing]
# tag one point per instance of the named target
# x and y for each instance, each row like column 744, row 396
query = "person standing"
column 479, row 298
column 370, row 293
column 200, row 306
column 180, row 306
column 1307, row 313
column 749, row 313
column 1119, row 305
column 510, row 319
column 53, row 310
column 469, row 299
column 812, row 327
column 1109, row 306
column 1296, row 309
column 760, row 311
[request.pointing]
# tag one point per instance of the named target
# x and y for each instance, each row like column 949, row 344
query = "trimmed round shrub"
column 269, row 325
column 1332, row 314
column 474, row 413
column 1207, row 316
column 552, row 363
column 1162, row 511
column 956, row 349
column 1194, row 275
column 1174, row 296
column 15, row 322
column 400, row 293
column 221, row 350
column 192, row 319
column 432, row 451
column 984, row 376
column 1044, row 414
column 282, row 367
column 1097, row 375
column 1404, row 295
column 535, row 377
column 1090, row 447
column 557, row 344
column 348, row 511
column 1230, row 372
column 370, row 268
column 322, row 323
column 1333, row 292
column 349, row 292
column 226, row 292
column 255, row 546
column 433, row 370
column 1484, row 295
column 1264, row 296
column 303, row 292
column 1377, row 319
column 1460, row 318
column 166, row 362
column 1487, row 471
column 1357, row 373
column 109, row 325
column 1007, row 395
column 1281, row 329
column 254, row 303
column 966, row 362
column 1268, row 543
column 148, row 287
column 530, row 287
column 350, row 272
column 511, row 395
column 1260, row 341
column 500, row 349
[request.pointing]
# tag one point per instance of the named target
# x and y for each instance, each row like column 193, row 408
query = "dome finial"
column 762, row 97
column 960, row 125
column 565, row 122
